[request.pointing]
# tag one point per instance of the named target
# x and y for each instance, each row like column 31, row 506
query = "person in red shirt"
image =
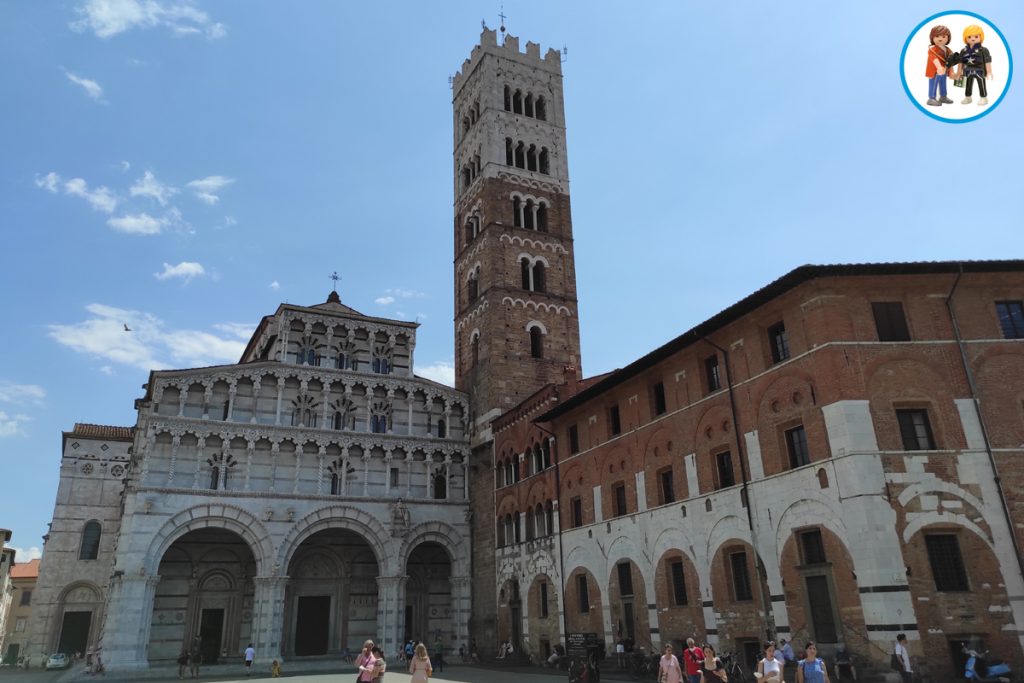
column 693, row 658
column 935, row 71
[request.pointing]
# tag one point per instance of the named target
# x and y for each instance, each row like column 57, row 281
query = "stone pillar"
column 268, row 618
column 129, row 618
column 390, row 612
column 232, row 392
column 461, row 609
column 280, row 396
column 175, row 445
column 257, row 385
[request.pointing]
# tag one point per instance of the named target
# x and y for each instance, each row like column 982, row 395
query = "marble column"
column 268, row 618
column 390, row 612
column 461, row 610
column 129, row 619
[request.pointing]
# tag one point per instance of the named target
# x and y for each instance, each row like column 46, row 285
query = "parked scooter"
column 984, row 670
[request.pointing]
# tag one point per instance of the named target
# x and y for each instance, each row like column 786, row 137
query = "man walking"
column 906, row 672
column 250, row 654
column 693, row 658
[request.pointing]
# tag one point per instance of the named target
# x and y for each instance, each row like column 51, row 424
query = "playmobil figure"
column 975, row 63
column 938, row 54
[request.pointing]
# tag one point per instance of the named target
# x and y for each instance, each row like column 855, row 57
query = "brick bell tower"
column 516, row 322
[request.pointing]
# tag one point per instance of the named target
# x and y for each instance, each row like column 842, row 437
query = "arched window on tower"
column 542, row 217
column 516, row 518
column 91, row 534
column 539, row 277
column 305, row 411
column 306, row 354
column 545, row 449
column 539, row 522
column 529, row 215
column 541, row 109
column 536, row 342
column 465, row 124
column 474, row 349
column 466, row 178
column 545, row 161
column 442, row 429
column 529, row 524
column 517, row 102
column 343, row 414
column 520, row 155
column 529, row 105
column 531, row 158
column 440, row 485
column 538, row 461
column 549, row 518
column 508, row 98
column 509, row 157
column 517, row 212
column 335, row 484
column 220, row 467
column 472, row 287
column 524, row 271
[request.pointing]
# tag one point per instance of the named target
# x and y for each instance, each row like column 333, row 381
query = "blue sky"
column 184, row 167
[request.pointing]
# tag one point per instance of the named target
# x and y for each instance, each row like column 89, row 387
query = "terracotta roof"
column 102, row 432
column 25, row 570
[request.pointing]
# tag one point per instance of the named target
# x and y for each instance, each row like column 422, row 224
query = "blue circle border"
column 903, row 76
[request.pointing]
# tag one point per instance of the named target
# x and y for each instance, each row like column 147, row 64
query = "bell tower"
column 516, row 322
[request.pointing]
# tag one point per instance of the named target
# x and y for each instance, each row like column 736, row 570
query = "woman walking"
column 811, row 669
column 420, row 667
column 668, row 668
column 365, row 663
column 769, row 668
column 712, row 670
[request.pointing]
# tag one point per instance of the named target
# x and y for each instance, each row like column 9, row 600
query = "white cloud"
column 21, row 556
column 441, row 371
column 275, row 285
column 91, row 87
column 150, row 345
column 11, row 425
column 49, row 182
column 138, row 224
column 207, row 188
column 230, row 221
column 239, row 330
column 149, row 186
column 107, row 18
column 106, row 370
column 125, row 166
column 405, row 293
column 21, row 393
column 186, row 270
column 384, row 300
column 100, row 199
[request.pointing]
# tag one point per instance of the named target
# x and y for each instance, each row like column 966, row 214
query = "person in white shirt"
column 250, row 654
column 906, row 673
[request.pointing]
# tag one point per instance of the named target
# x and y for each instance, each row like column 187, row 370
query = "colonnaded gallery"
column 836, row 457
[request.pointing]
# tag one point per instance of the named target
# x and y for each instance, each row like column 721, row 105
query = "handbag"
column 957, row 83
column 894, row 662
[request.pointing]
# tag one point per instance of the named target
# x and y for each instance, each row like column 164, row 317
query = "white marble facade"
column 310, row 484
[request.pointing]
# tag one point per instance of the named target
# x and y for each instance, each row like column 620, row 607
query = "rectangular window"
column 779, row 341
column 668, row 491
column 543, row 599
column 947, row 562
column 1011, row 318
column 711, row 373
column 619, row 491
column 26, row 598
column 394, row 477
column 890, row 322
column 658, row 398
column 574, row 439
column 812, row 547
column 796, row 444
column 19, row 625
column 740, row 576
column 724, row 466
column 584, row 593
column 577, row 511
column 625, row 579
column 614, row 421
column 678, row 583
column 916, row 430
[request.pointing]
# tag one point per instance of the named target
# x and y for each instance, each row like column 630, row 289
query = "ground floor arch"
column 79, row 614
column 544, row 622
column 330, row 600
column 429, row 610
column 204, row 591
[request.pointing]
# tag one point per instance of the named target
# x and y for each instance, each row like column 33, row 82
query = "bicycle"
column 732, row 667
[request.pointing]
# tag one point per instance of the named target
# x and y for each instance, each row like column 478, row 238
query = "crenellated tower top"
column 509, row 49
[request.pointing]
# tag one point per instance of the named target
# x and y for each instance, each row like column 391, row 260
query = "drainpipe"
column 758, row 564
column 561, row 553
column 981, row 421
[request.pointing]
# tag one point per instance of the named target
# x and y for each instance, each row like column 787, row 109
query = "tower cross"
column 334, row 276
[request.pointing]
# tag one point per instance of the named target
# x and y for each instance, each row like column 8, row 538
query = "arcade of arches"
column 331, row 600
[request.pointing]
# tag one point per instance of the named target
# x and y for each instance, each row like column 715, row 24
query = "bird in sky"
column 126, row 328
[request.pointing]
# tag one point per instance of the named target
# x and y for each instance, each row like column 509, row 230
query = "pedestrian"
column 182, row 663
column 903, row 658
column 712, row 668
column 769, row 667
column 250, row 654
column 620, row 654
column 668, row 668
column 420, row 667
column 693, row 659
column 379, row 665
column 439, row 655
column 409, row 646
column 811, row 669
column 365, row 663
column 195, row 656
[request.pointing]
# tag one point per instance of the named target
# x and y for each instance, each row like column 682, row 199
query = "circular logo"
column 956, row 66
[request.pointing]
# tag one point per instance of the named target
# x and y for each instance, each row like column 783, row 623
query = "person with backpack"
column 811, row 669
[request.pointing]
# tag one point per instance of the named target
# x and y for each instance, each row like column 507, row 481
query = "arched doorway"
column 205, row 591
column 428, row 595
column 510, row 614
column 80, row 607
column 331, row 599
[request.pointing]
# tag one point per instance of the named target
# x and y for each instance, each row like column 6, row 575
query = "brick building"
column 832, row 458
